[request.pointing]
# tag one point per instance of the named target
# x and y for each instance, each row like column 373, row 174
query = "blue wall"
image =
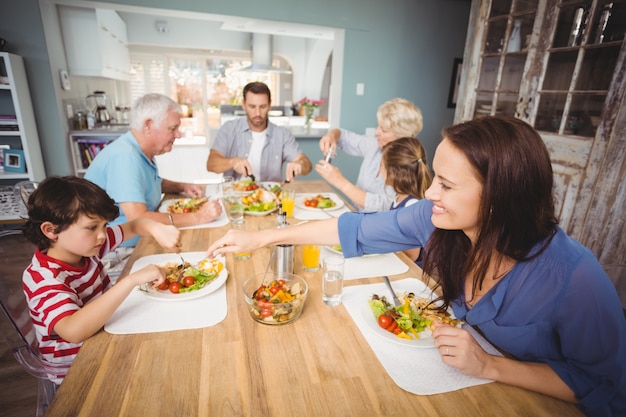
column 397, row 48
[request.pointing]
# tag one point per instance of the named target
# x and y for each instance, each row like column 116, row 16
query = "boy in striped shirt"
column 69, row 294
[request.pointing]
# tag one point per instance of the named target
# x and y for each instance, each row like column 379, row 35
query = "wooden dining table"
column 317, row 365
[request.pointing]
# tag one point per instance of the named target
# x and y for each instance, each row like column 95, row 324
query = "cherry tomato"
column 175, row 287
column 188, row 281
column 281, row 282
column 266, row 312
column 255, row 187
column 164, row 285
column 186, row 210
column 397, row 330
column 264, row 304
column 393, row 326
column 274, row 290
column 384, row 321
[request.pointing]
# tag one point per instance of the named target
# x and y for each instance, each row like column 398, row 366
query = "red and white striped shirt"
column 55, row 289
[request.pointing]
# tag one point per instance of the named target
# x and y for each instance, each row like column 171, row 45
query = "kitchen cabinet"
column 560, row 66
column 96, row 43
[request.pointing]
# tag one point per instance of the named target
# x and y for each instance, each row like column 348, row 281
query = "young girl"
column 69, row 294
column 404, row 167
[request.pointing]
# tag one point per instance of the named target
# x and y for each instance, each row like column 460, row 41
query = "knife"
column 396, row 301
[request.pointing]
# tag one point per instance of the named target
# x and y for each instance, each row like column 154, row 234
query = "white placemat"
column 370, row 265
column 416, row 370
column 141, row 314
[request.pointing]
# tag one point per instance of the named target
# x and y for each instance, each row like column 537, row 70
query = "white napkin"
column 414, row 369
column 369, row 266
column 141, row 314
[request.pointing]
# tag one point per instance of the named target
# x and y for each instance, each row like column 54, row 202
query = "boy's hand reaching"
column 168, row 236
column 148, row 274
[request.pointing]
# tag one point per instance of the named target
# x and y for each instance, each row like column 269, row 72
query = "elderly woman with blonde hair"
column 396, row 118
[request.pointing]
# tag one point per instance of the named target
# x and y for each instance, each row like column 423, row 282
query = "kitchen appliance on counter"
column 98, row 102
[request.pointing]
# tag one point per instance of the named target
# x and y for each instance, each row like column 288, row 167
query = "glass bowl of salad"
column 275, row 298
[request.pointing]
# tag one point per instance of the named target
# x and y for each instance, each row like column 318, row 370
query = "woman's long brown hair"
column 516, row 207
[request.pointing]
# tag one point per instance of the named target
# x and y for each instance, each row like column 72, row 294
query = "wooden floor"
column 18, row 389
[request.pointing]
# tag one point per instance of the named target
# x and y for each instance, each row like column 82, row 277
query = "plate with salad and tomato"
column 409, row 324
column 316, row 201
column 199, row 277
column 259, row 203
column 182, row 205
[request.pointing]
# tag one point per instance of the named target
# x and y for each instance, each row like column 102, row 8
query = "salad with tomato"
column 277, row 302
column 186, row 205
column 414, row 316
column 246, row 185
column 182, row 278
column 319, row 201
column 259, row 201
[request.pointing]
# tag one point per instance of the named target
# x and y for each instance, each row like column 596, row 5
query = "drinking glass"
column 233, row 207
column 311, row 257
column 227, row 184
column 288, row 200
column 242, row 256
column 332, row 280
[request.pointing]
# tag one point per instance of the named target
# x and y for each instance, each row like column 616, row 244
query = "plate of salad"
column 271, row 186
column 314, row 201
column 207, row 275
column 259, row 203
column 182, row 205
column 409, row 324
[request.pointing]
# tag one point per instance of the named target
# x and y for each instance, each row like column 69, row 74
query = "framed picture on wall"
column 2, row 149
column 14, row 160
column 455, row 83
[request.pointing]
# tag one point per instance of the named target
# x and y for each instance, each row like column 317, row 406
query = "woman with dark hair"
column 503, row 264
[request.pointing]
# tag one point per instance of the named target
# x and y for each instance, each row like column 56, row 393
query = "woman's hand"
column 329, row 139
column 234, row 241
column 458, row 348
column 208, row 212
column 329, row 172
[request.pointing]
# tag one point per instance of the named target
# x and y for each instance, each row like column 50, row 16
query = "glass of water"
column 332, row 280
column 234, row 208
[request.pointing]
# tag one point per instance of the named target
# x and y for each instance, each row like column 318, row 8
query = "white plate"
column 301, row 197
column 267, row 185
column 425, row 340
column 259, row 213
column 192, row 257
column 163, row 208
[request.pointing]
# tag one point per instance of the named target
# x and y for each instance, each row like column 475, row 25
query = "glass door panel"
column 597, row 68
column 560, row 70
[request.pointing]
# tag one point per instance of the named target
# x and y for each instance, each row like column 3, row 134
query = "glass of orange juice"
column 288, row 200
column 311, row 257
column 242, row 256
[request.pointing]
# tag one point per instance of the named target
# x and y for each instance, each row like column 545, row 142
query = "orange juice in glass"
column 311, row 257
column 242, row 256
column 288, row 200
